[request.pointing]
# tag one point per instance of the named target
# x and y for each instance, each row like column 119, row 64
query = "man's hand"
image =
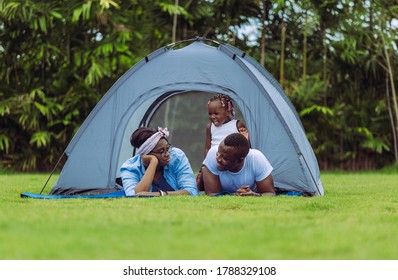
column 246, row 191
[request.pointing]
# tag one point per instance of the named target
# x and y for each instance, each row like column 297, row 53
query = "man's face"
column 227, row 158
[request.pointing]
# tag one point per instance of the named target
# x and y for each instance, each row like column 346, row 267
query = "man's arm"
column 266, row 187
column 211, row 182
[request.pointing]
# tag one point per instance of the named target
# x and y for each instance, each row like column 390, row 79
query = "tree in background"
column 336, row 60
column 56, row 58
column 385, row 53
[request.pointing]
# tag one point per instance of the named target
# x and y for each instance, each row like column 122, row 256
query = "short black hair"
column 239, row 142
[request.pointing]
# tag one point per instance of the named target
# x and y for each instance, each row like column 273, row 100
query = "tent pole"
column 309, row 171
column 52, row 172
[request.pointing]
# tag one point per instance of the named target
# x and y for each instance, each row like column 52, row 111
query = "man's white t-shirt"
column 255, row 168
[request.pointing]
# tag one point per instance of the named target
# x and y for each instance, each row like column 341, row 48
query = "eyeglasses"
column 163, row 152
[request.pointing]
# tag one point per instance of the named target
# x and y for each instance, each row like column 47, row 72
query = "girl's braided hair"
column 225, row 101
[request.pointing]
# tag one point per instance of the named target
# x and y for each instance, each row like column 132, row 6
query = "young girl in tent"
column 222, row 123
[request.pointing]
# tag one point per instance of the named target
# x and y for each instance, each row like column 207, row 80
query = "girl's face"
column 218, row 115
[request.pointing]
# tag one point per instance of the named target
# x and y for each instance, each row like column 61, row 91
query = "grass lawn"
column 356, row 219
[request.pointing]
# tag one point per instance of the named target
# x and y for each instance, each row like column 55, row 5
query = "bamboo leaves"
column 4, row 143
column 41, row 139
column 337, row 61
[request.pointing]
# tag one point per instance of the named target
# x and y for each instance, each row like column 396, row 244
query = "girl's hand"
column 244, row 132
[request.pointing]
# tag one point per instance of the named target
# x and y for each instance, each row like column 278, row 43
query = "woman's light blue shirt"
column 178, row 173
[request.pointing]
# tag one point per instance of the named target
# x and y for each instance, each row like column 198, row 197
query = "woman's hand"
column 246, row 191
column 149, row 159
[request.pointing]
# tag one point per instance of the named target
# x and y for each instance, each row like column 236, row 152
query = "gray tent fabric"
column 101, row 145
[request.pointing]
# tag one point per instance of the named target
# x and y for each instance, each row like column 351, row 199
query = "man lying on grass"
column 233, row 167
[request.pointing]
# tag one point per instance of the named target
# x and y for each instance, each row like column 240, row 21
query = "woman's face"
column 218, row 115
column 162, row 152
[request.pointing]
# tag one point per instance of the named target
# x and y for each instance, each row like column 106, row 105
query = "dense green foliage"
column 336, row 60
column 356, row 219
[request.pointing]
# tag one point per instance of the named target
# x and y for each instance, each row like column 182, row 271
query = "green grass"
column 356, row 219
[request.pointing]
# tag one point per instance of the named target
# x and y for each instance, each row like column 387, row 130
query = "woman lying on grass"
column 157, row 169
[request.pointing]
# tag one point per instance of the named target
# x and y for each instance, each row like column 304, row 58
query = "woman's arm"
column 165, row 193
column 151, row 162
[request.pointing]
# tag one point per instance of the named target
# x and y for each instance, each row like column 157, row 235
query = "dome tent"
column 101, row 145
